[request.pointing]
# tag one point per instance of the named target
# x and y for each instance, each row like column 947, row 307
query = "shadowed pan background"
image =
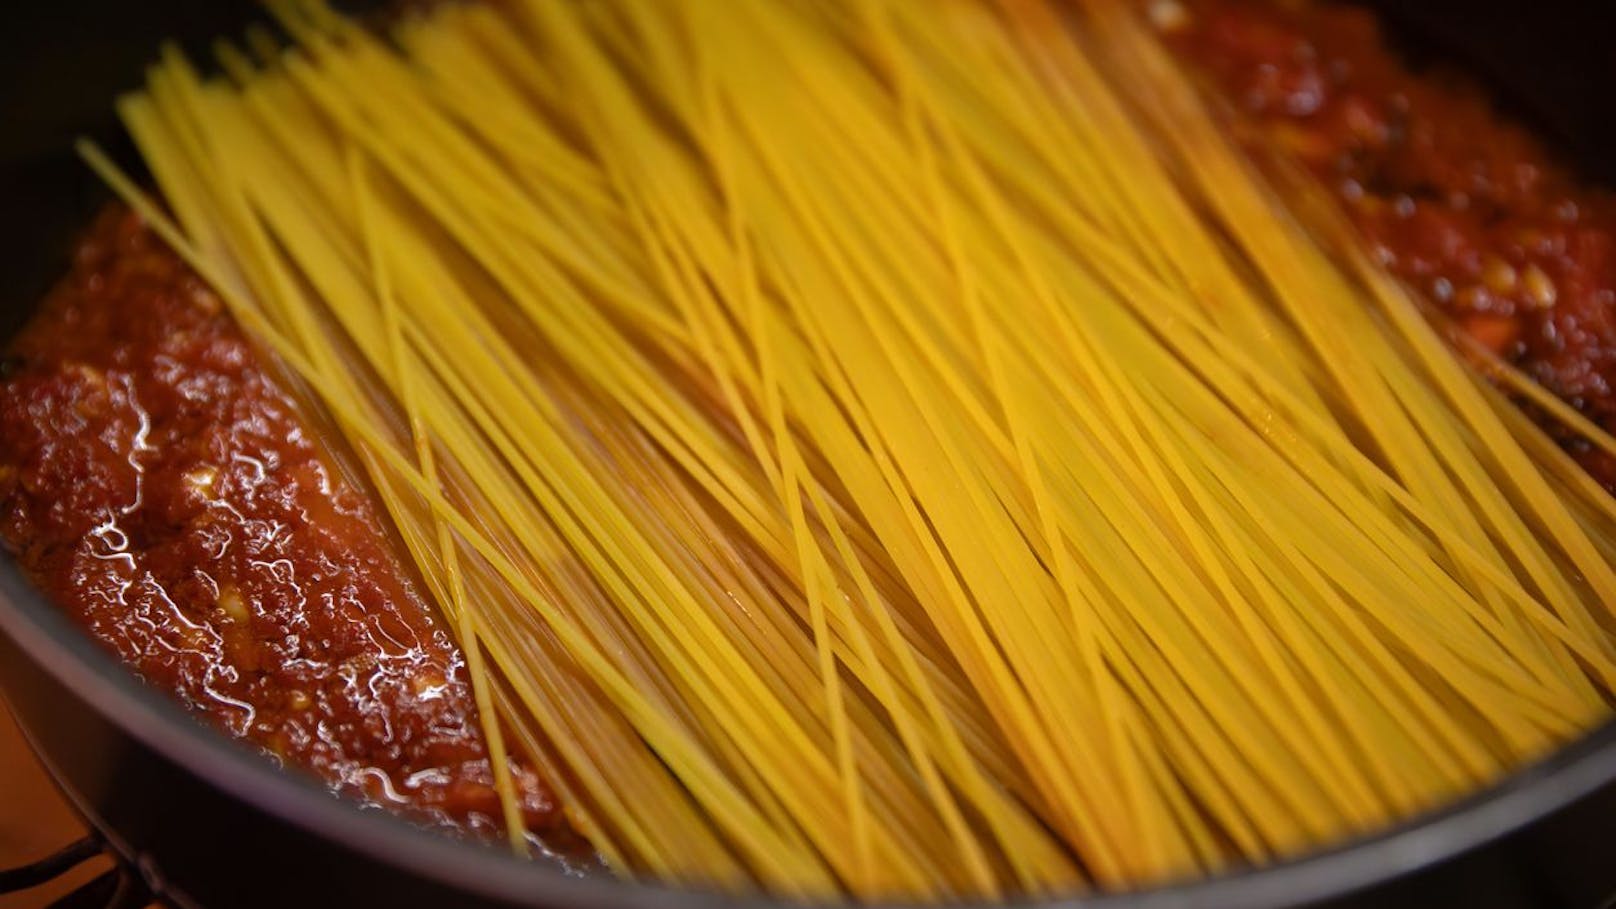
column 62, row 61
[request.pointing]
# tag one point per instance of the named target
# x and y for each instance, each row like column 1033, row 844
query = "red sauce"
column 1464, row 205
column 161, row 487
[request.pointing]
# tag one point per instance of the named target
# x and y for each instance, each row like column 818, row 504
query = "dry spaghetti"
column 865, row 449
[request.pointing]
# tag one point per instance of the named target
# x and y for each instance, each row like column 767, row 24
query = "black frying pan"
column 207, row 822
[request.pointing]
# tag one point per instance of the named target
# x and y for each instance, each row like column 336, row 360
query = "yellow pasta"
column 880, row 449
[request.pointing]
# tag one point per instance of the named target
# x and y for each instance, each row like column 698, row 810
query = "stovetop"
column 47, row 856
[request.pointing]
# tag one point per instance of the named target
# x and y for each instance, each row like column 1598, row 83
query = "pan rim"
column 46, row 636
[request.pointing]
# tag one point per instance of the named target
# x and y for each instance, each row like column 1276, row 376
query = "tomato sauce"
column 1467, row 207
column 161, row 487
column 159, row 484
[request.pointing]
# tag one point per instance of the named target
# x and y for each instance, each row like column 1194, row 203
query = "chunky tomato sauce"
column 1467, row 207
column 160, row 486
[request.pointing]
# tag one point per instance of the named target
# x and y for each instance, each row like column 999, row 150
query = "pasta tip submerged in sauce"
column 1467, row 207
column 159, row 485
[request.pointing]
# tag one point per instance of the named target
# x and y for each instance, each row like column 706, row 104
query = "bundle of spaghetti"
column 889, row 449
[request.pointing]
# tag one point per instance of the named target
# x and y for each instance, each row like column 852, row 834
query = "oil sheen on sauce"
column 158, row 484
